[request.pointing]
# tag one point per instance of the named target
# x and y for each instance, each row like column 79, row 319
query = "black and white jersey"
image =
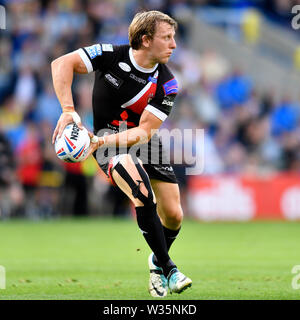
column 123, row 89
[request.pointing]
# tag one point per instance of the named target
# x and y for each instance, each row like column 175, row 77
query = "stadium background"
column 237, row 63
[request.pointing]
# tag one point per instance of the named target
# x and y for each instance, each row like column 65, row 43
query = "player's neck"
column 143, row 59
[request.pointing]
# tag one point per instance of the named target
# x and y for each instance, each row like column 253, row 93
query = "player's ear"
column 146, row 41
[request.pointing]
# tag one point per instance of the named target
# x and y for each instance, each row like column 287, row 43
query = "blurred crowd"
column 246, row 131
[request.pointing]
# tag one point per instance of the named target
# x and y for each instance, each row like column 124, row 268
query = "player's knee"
column 144, row 194
column 126, row 160
column 142, row 179
column 132, row 171
column 173, row 216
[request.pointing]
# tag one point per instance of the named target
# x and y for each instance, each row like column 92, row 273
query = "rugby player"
column 134, row 92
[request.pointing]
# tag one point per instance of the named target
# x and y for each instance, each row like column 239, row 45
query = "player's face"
column 163, row 43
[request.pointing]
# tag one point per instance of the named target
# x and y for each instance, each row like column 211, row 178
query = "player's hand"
column 65, row 119
column 96, row 142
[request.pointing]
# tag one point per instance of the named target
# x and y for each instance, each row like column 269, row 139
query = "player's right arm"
column 63, row 69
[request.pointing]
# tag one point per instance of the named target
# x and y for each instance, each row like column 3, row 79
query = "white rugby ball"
column 73, row 144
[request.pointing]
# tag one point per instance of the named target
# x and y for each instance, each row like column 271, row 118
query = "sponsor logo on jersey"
column 94, row 51
column 124, row 66
column 152, row 79
column 107, row 47
column 140, row 80
column 123, row 123
column 168, row 101
column 170, row 87
column 113, row 128
column 114, row 80
column 165, row 168
column 151, row 95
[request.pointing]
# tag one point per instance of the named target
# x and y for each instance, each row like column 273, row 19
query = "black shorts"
column 154, row 157
column 162, row 172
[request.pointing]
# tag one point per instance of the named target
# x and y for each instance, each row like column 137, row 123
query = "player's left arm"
column 148, row 125
column 155, row 113
column 151, row 119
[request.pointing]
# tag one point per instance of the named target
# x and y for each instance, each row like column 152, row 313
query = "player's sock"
column 152, row 229
column 170, row 236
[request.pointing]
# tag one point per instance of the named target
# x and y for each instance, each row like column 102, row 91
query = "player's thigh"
column 168, row 202
column 127, row 162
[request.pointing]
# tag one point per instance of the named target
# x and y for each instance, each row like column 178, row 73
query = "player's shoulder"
column 165, row 71
column 120, row 50
column 168, row 80
column 100, row 49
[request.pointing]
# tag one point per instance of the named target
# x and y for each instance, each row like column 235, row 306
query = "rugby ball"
column 73, row 144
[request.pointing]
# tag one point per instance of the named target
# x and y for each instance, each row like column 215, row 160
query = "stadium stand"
column 238, row 74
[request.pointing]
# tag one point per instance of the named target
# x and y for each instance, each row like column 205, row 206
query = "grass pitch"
column 106, row 259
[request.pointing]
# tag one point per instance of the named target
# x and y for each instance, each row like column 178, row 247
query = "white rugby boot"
column 177, row 281
column 158, row 283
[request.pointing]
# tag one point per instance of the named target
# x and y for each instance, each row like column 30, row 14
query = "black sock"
column 170, row 236
column 152, row 229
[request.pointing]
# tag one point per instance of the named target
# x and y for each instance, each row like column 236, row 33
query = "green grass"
column 107, row 259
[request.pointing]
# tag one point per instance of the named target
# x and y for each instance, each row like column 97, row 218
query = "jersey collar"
column 139, row 67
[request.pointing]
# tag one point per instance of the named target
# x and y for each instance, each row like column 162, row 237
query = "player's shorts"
column 158, row 168
column 158, row 172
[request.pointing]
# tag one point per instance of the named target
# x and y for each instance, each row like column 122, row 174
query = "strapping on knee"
column 135, row 185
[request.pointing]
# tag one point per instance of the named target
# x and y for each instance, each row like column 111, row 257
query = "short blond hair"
column 144, row 23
